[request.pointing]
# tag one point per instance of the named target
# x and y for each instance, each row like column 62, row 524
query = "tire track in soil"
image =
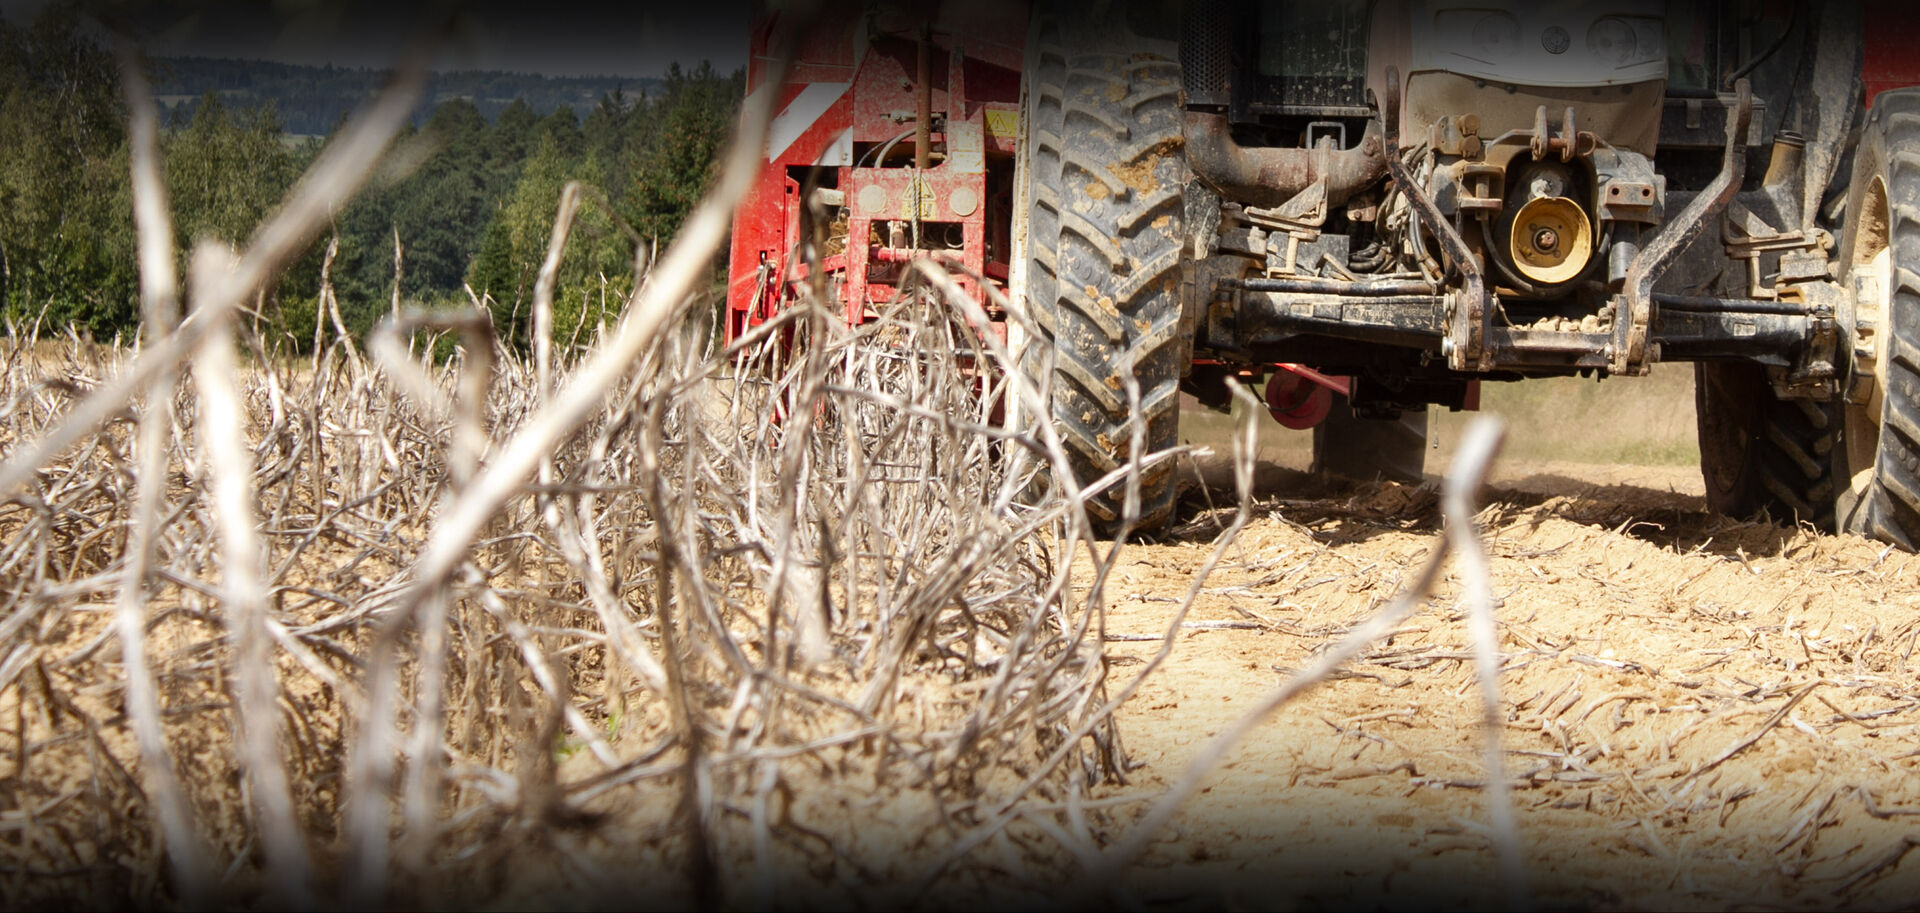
column 1643, row 641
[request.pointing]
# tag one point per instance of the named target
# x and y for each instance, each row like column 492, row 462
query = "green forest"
column 469, row 201
column 311, row 100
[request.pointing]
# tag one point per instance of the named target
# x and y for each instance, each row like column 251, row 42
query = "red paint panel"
column 977, row 49
column 1892, row 57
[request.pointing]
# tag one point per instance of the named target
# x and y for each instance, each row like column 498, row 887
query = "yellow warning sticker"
column 919, row 191
column 1002, row 123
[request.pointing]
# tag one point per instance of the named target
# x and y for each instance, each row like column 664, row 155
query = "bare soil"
column 1701, row 713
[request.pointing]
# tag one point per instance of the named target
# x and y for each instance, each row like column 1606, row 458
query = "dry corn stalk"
column 688, row 571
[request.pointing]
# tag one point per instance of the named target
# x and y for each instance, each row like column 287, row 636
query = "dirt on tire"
column 1104, row 240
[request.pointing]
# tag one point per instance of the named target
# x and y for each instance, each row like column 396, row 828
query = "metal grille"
column 1205, row 53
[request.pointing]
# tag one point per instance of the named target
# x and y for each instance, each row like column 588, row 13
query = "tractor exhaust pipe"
column 1267, row 176
column 1262, row 176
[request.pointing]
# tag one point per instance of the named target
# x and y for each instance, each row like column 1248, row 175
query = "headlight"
column 1542, row 43
column 1611, row 40
column 1486, row 35
column 1496, row 35
column 1620, row 41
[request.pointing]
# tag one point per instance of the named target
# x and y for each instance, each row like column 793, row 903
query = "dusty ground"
column 1701, row 713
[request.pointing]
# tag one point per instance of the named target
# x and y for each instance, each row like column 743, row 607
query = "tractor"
column 1375, row 207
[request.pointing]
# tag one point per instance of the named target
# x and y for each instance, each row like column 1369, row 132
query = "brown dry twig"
column 432, row 645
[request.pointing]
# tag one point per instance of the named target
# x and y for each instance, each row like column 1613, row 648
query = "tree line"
column 311, row 100
column 469, row 202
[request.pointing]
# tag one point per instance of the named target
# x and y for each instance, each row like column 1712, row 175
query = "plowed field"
column 1700, row 712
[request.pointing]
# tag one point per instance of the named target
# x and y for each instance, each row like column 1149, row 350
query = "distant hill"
column 312, row 100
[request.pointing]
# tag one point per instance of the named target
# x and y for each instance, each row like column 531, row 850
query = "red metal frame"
column 854, row 89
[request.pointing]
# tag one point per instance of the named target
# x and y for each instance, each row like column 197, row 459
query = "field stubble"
column 801, row 622
column 745, row 652
column 645, row 621
column 1700, row 712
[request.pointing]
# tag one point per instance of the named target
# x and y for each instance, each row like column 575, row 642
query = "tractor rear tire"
column 1102, row 172
column 1348, row 446
column 1879, row 467
column 1762, row 454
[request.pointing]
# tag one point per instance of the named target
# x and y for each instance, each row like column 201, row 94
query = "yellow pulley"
column 1552, row 240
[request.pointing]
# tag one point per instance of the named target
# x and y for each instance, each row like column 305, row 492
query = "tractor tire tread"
column 1104, row 249
column 1760, row 454
column 1890, row 507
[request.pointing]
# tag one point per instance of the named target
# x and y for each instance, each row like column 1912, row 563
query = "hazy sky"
column 561, row 37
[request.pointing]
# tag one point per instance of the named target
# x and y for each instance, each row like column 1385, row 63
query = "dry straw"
column 384, row 620
column 817, row 610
